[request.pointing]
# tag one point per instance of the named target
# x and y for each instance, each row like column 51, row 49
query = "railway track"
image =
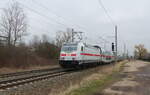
column 27, row 72
column 30, row 77
column 7, row 84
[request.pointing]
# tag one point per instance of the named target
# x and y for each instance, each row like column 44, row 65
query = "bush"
column 47, row 50
column 23, row 56
column 14, row 56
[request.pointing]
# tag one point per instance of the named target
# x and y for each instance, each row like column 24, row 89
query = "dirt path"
column 135, row 80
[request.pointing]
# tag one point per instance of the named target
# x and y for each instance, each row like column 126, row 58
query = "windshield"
column 69, row 48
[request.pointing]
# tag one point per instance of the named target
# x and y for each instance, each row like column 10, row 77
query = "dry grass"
column 12, row 70
column 93, row 82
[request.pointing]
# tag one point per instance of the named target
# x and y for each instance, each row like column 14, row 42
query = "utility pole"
column 76, row 35
column 116, row 43
column 80, row 36
column 72, row 30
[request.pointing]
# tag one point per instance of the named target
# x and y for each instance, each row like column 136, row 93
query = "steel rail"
column 20, row 81
column 27, row 72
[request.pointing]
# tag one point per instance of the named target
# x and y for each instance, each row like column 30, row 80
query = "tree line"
column 14, row 52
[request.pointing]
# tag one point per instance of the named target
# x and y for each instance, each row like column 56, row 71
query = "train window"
column 69, row 48
column 81, row 48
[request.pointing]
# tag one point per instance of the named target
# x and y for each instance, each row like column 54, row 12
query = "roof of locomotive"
column 73, row 43
column 81, row 43
column 65, row 44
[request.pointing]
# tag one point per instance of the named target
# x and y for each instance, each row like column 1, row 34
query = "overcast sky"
column 131, row 16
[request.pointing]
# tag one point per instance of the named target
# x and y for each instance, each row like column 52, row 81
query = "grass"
column 93, row 86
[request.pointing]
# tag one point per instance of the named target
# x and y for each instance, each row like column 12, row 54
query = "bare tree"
column 13, row 23
column 45, row 38
column 62, row 37
column 140, row 51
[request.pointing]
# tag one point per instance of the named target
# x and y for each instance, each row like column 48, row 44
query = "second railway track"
column 27, row 72
column 6, row 84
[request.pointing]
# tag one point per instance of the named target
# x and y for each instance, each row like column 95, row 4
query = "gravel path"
column 136, row 80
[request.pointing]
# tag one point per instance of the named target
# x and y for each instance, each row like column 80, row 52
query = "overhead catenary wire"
column 48, row 20
column 42, row 21
column 58, row 16
column 106, row 12
column 44, row 8
column 45, row 16
column 40, row 14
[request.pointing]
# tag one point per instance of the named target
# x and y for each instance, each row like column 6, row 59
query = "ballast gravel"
column 53, row 85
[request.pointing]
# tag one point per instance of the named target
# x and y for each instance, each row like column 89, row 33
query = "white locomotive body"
column 76, row 54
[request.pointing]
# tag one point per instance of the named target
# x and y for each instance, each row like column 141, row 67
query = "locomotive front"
column 69, row 55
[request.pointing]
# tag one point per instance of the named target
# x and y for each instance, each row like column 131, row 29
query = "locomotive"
column 80, row 54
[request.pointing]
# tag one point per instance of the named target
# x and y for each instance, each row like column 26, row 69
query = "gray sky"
column 131, row 16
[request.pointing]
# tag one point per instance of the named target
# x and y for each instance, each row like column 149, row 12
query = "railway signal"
column 113, row 47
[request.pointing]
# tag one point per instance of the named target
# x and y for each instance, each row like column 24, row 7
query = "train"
column 83, row 54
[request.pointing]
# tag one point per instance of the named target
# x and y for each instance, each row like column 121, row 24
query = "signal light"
column 113, row 46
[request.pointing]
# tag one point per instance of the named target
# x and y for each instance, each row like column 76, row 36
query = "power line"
column 106, row 12
column 116, row 30
column 42, row 6
column 42, row 21
column 45, row 16
column 38, row 21
column 38, row 28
